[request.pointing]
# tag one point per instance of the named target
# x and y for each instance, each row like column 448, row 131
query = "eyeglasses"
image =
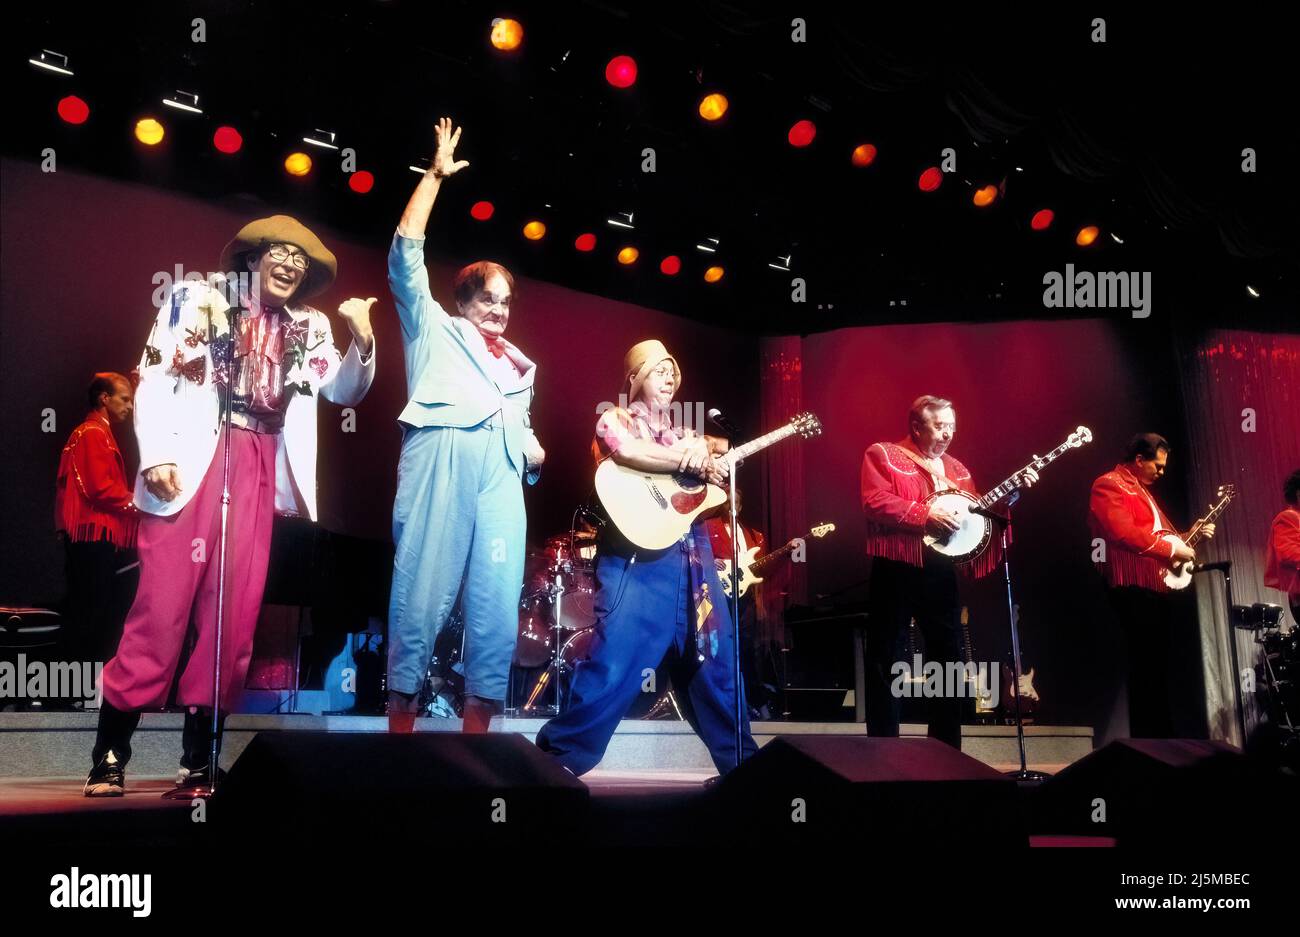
column 280, row 253
column 663, row 372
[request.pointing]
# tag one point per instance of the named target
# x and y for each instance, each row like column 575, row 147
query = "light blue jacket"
column 445, row 381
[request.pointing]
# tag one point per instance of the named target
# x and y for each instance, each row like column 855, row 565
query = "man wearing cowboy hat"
column 652, row 603
column 255, row 339
column 458, row 519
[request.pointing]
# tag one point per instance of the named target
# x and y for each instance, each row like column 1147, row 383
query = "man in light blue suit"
column 467, row 441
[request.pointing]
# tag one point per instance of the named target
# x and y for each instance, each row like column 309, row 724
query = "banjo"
column 972, row 537
column 1179, row 573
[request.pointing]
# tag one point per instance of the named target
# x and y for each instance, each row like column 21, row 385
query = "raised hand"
column 444, row 157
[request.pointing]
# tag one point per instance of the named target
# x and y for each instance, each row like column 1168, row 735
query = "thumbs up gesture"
column 356, row 312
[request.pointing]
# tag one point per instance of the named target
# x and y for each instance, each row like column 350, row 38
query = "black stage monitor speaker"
column 907, row 793
column 432, row 789
column 1162, row 792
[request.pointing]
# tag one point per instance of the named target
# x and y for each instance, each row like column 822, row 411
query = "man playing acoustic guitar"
column 653, row 602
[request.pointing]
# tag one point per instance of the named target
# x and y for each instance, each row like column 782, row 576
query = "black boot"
column 196, row 753
column 111, row 753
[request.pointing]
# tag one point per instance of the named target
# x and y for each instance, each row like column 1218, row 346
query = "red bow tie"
column 495, row 345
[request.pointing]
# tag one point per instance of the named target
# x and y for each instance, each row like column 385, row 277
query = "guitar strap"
column 939, row 475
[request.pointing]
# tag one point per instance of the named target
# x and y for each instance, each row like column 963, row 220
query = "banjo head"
column 968, row 539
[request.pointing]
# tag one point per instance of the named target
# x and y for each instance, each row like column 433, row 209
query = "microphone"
column 1204, row 567
column 724, row 424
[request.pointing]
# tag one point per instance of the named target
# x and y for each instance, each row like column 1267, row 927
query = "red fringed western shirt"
column 894, row 489
column 1282, row 563
column 1123, row 513
column 92, row 500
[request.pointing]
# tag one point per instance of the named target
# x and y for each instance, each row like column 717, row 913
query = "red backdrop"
column 1019, row 388
column 78, row 260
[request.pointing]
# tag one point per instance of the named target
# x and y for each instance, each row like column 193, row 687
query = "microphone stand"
column 233, row 316
column 1023, row 774
column 732, row 465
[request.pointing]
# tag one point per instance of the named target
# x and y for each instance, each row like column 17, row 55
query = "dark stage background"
column 75, row 287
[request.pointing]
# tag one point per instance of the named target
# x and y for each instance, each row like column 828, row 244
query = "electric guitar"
column 750, row 568
column 971, row 538
column 1179, row 573
column 983, row 698
column 655, row 509
column 1028, row 695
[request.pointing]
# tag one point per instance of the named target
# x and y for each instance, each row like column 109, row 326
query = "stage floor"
column 58, row 744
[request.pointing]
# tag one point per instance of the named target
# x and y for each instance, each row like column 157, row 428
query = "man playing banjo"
column 907, row 579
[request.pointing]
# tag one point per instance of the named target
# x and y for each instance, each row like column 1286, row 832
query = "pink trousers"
column 179, row 559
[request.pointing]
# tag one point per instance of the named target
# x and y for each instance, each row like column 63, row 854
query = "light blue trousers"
column 458, row 519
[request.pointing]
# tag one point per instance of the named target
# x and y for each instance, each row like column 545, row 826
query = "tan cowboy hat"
column 281, row 229
column 644, row 357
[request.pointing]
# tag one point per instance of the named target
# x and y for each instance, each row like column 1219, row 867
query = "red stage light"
column 73, row 109
column 802, row 133
column 621, row 71
column 481, row 211
column 1042, row 219
column 930, row 179
column 585, row 242
column 864, row 155
column 227, row 140
column 671, row 265
column 361, row 181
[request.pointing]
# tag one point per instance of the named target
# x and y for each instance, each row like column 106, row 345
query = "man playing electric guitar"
column 907, row 579
column 1132, row 553
column 653, row 602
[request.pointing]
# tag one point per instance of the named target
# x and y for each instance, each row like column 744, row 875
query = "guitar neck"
column 762, row 442
column 770, row 558
column 1194, row 537
column 1013, row 482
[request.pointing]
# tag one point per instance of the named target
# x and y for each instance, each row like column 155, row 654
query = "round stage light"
column 621, row 71
column 297, row 164
column 628, row 255
column 1042, row 219
column 802, row 133
column 1087, row 235
column 481, row 211
column 864, row 155
column 149, row 132
column 585, row 242
column 227, row 140
column 714, row 106
column 361, row 181
column 985, row 196
column 671, row 265
column 930, row 179
column 713, row 274
column 534, row 230
column 507, row 34
column 73, row 109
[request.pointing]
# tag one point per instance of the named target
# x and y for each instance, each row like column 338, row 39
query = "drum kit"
column 557, row 618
